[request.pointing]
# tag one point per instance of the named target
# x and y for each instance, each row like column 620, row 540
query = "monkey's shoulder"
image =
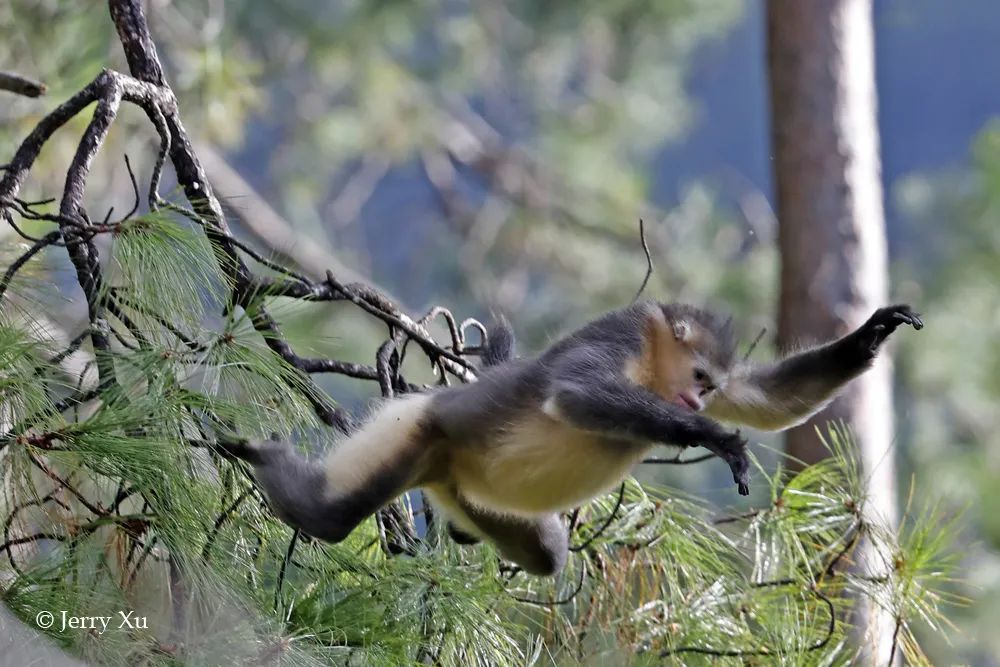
column 620, row 331
column 514, row 391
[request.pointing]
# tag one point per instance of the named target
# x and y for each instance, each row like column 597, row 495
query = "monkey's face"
column 691, row 380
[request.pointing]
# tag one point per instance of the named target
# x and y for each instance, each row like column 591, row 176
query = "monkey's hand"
column 882, row 323
column 732, row 448
column 739, row 462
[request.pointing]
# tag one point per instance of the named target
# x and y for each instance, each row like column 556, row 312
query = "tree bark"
column 831, row 232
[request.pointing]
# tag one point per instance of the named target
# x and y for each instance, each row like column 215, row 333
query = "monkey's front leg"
column 631, row 412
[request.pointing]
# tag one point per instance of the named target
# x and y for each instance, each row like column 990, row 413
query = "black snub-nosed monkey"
column 503, row 456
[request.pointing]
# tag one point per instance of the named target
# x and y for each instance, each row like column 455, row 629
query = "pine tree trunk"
column 832, row 229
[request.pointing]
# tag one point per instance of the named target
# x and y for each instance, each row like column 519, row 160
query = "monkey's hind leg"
column 377, row 463
column 459, row 536
column 539, row 546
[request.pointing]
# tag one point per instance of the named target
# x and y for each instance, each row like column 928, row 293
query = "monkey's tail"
column 499, row 343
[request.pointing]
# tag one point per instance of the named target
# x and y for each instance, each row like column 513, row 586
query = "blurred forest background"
column 496, row 157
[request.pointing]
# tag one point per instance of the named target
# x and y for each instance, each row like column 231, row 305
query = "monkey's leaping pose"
column 533, row 437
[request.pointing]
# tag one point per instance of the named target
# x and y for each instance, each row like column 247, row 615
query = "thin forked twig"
column 753, row 345
column 21, row 85
column 649, row 260
column 556, row 601
column 607, row 522
column 741, row 653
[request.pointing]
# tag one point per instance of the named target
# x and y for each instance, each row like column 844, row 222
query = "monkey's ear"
column 682, row 331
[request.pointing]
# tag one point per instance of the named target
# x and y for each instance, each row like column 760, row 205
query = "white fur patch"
column 745, row 403
column 377, row 445
column 682, row 331
column 551, row 408
column 541, row 465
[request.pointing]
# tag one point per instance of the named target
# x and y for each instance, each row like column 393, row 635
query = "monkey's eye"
column 702, row 378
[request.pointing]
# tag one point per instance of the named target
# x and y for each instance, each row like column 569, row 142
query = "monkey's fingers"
column 884, row 322
column 907, row 316
column 897, row 314
column 740, row 465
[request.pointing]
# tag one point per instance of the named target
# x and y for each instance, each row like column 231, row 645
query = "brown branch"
column 393, row 316
column 65, row 483
column 147, row 88
column 17, row 169
column 223, row 517
column 30, row 538
column 21, row 85
column 604, row 526
column 49, row 239
column 140, row 52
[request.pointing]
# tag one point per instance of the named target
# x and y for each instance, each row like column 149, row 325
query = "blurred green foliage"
column 951, row 377
column 543, row 117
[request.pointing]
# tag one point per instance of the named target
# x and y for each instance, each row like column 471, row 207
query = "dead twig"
column 21, row 85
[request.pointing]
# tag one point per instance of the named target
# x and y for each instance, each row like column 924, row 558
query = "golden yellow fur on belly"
column 540, row 465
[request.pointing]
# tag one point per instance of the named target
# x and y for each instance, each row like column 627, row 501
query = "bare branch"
column 21, row 85
column 649, row 261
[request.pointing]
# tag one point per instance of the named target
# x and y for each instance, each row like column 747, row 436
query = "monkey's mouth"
column 688, row 400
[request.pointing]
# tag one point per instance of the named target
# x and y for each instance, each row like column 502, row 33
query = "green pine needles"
column 114, row 502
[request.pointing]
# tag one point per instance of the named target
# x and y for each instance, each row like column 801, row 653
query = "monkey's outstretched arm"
column 788, row 392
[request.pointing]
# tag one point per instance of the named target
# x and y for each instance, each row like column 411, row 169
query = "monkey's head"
column 696, row 355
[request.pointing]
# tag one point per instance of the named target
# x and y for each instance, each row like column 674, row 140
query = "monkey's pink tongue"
column 686, row 400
